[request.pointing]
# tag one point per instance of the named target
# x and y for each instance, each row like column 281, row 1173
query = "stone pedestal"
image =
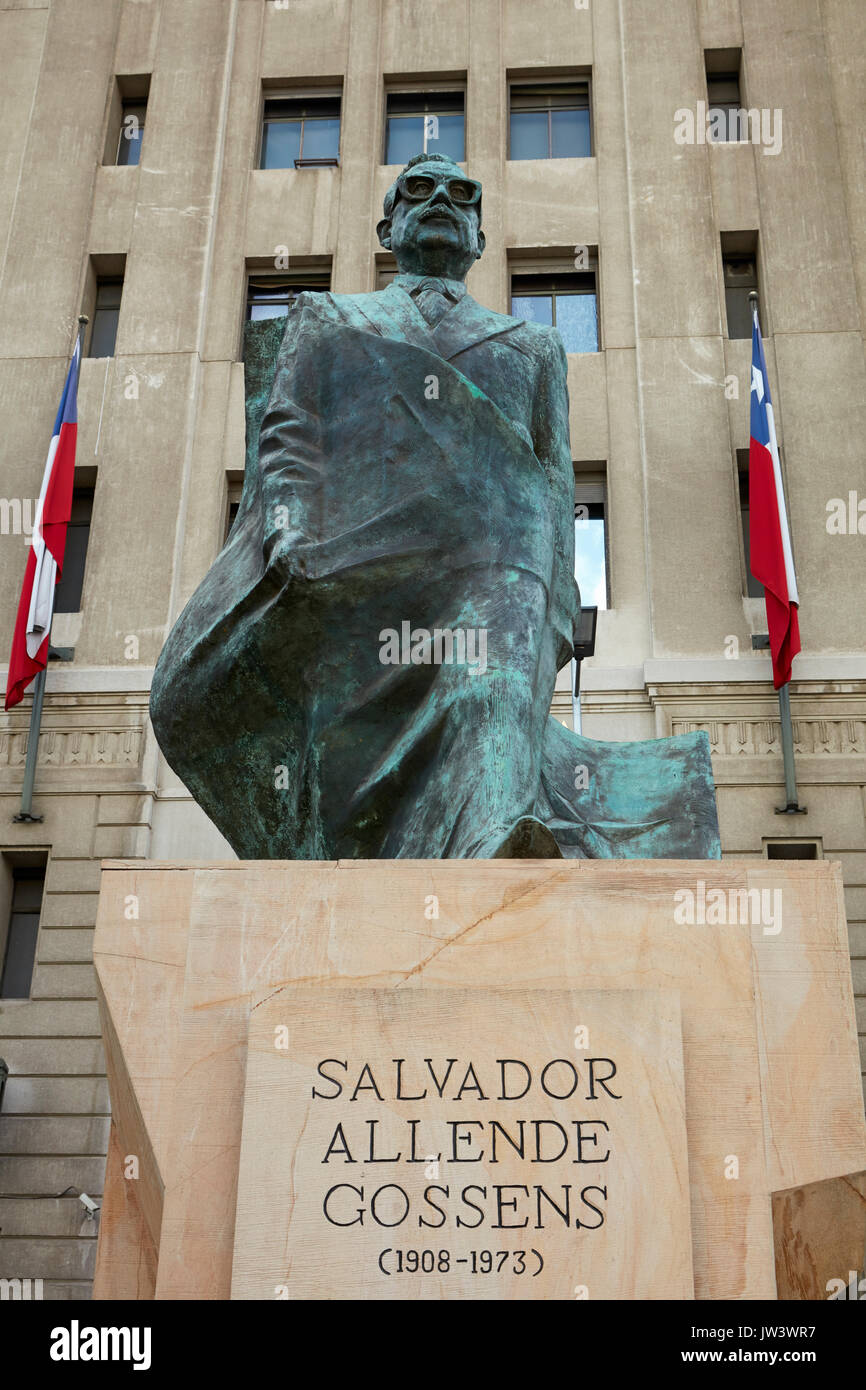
column 469, row 1079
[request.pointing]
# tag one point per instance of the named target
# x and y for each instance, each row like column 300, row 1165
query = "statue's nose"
column 440, row 194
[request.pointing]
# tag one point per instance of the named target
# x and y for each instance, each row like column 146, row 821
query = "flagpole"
column 791, row 807
column 26, row 812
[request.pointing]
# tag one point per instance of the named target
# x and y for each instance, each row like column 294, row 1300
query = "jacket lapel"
column 468, row 324
column 393, row 308
column 464, row 326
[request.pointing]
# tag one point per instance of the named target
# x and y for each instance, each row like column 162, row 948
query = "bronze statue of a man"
column 368, row 667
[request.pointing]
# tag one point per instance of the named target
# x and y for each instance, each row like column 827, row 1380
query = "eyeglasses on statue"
column 416, row 188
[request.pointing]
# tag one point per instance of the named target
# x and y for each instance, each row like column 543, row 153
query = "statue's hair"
column 428, row 159
column 391, row 195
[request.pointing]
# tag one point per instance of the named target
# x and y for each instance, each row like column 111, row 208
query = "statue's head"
column 432, row 220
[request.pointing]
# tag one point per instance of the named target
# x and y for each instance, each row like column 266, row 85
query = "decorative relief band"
column 118, row 747
column 761, row 737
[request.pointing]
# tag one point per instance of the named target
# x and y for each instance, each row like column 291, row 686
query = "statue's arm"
column 290, row 461
column 550, row 414
column 553, row 451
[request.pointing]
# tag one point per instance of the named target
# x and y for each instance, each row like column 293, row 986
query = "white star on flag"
column 757, row 383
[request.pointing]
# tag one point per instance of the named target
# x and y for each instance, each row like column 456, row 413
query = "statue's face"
column 433, row 228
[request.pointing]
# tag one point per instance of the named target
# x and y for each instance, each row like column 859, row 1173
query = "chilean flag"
column 45, row 557
column 772, row 563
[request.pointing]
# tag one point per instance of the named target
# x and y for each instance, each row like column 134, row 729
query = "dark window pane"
column 538, row 308
column 577, row 321
column 104, row 335
column 105, row 318
column 27, row 890
column 529, row 135
column 793, row 849
column 269, row 298
column 728, row 123
column 23, row 930
column 300, row 128
column 131, row 131
column 548, row 96
column 567, row 282
column 447, row 137
column 741, row 276
column 321, row 138
column 281, row 144
column 753, row 588
column 739, row 311
column 108, row 294
column 20, row 955
column 405, row 138
column 741, row 271
column 104, row 332
column 412, row 103
column 286, row 108
column 67, row 596
column 424, row 122
column 723, row 89
column 570, row 133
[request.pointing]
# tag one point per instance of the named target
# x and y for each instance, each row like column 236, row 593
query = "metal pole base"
column 26, row 816
column 792, row 809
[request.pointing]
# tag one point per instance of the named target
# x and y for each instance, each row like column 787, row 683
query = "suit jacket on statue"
column 367, row 669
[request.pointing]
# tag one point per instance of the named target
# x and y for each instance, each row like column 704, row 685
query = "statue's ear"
column 383, row 232
column 482, row 242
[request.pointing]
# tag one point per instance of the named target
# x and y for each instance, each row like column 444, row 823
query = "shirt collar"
column 455, row 289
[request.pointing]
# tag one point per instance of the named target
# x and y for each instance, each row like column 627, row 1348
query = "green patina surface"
column 261, row 345
column 368, row 667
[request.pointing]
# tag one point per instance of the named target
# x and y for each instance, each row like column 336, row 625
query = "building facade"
column 173, row 167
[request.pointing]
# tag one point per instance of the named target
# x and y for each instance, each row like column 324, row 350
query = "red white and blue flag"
column 772, row 562
column 48, row 543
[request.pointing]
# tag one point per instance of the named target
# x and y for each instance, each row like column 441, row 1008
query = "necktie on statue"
column 433, row 300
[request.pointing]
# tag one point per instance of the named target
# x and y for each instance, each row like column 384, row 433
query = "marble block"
column 756, row 953
column 463, row 1144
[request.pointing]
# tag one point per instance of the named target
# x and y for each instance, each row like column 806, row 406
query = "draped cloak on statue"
column 407, row 480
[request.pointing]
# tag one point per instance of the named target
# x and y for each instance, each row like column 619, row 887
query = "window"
column 19, row 955
column 386, row 269
column 590, row 536
column 233, row 502
column 567, row 302
column 424, row 123
column 549, row 120
column 67, row 595
column 723, row 94
column 753, row 588
column 301, row 132
column 126, row 119
column 269, row 295
column 131, row 132
column 794, row 849
column 106, row 315
column 740, row 274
